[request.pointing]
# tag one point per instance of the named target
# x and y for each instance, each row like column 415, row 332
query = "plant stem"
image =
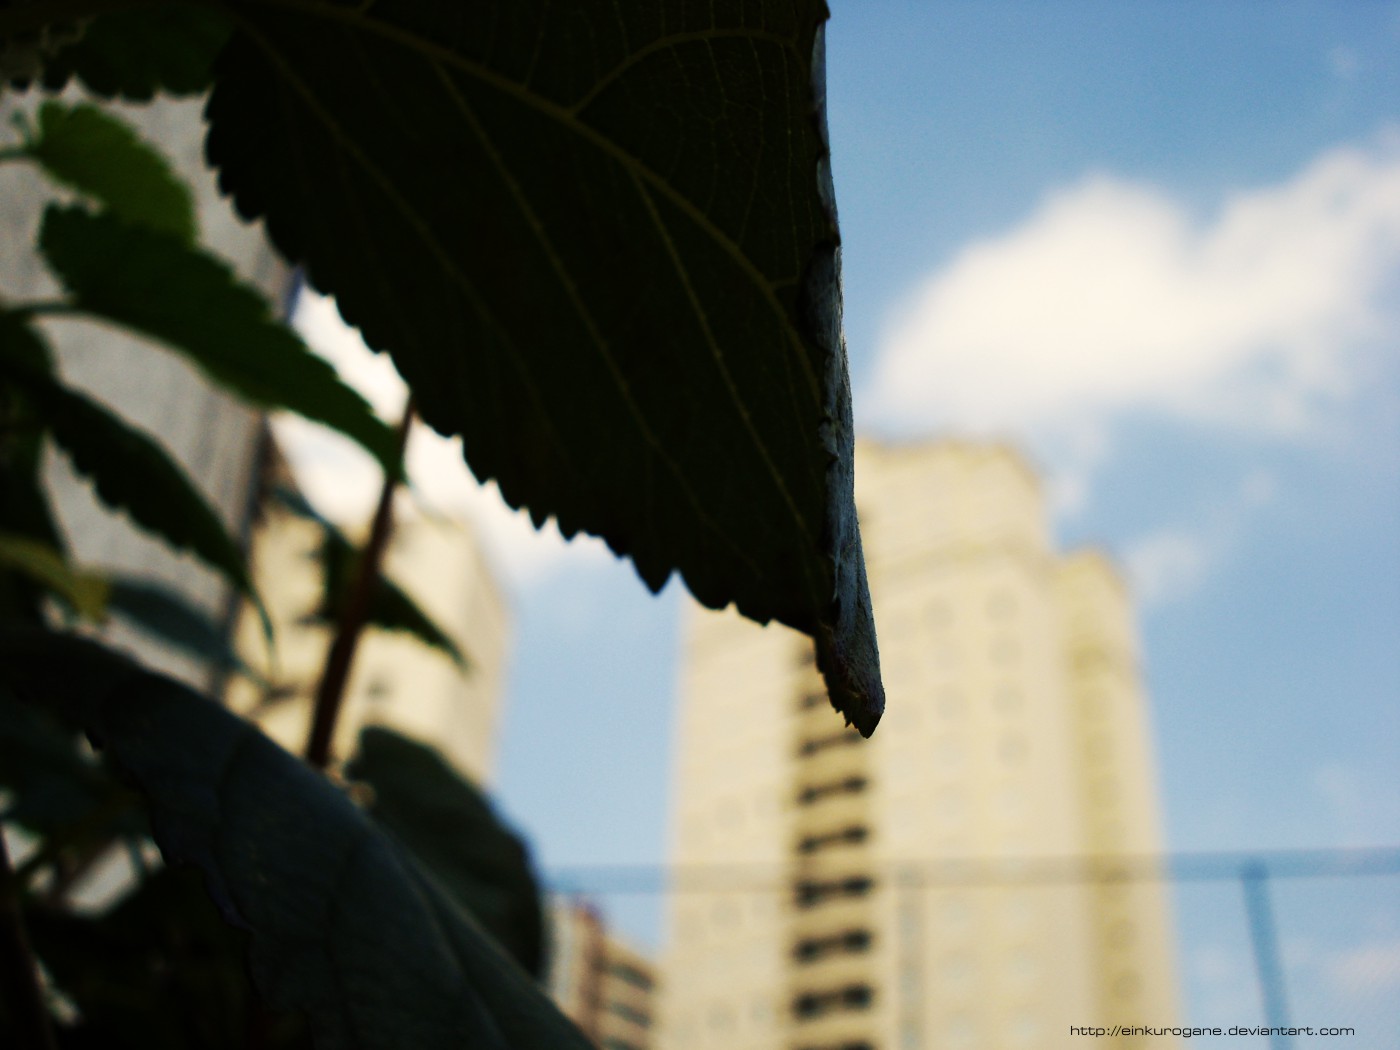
column 19, row 972
column 354, row 612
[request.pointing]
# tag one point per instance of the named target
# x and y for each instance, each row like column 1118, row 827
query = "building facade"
column 973, row 876
column 395, row 681
column 604, row 985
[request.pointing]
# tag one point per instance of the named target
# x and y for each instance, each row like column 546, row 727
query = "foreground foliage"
column 599, row 242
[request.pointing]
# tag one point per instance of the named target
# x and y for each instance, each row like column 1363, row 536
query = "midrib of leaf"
column 641, row 174
column 569, row 120
column 599, row 343
column 421, row 227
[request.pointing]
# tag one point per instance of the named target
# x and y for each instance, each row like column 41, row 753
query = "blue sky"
column 1157, row 245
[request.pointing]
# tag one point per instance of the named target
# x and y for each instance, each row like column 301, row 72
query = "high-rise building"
column 950, row 882
column 395, row 680
column 602, row 983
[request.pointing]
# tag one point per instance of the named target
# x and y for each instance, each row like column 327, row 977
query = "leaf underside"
column 452, row 829
column 599, row 242
column 344, row 925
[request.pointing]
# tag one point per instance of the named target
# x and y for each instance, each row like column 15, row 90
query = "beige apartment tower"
column 971, row 877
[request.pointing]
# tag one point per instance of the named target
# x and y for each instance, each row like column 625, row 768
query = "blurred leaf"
column 159, row 971
column 24, row 507
column 138, row 52
column 344, row 924
column 452, row 829
column 50, row 782
column 193, row 303
column 131, row 472
column 91, row 151
column 599, row 241
column 390, row 608
column 85, row 593
column 169, row 616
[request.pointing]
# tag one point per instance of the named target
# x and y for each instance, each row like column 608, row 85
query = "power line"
column 1175, row 867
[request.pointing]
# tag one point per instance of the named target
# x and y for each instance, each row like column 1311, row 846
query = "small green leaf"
column 24, row 505
column 131, row 472
column 136, row 53
column 95, row 153
column 390, row 607
column 167, row 615
column 193, row 303
column 452, row 830
column 344, row 924
column 85, row 593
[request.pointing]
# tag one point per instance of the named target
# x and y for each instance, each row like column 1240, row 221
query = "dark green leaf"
column 50, row 783
column 599, row 241
column 451, row 828
column 138, row 52
column 390, row 608
column 344, row 925
column 131, row 472
column 97, row 154
column 168, row 616
column 24, row 507
column 193, row 303
column 85, row 593
column 160, row 971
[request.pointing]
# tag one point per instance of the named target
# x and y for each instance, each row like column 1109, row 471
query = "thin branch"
column 353, row 614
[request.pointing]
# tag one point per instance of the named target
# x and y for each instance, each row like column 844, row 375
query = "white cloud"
column 343, row 482
column 1113, row 296
column 1371, row 969
column 1169, row 564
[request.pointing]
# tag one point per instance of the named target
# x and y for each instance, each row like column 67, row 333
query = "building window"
column 811, row 893
column 816, row 792
column 845, row 738
column 630, row 1013
column 848, row 942
column 851, row 998
column 631, row 974
column 851, row 836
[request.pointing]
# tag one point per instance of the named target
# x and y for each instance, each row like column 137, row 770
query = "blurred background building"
column 948, row 883
column 396, row 680
column 603, row 983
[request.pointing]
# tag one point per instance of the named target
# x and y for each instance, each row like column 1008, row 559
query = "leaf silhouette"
column 599, row 241
column 343, row 923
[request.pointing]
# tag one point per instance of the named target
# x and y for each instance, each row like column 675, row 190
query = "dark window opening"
column 630, row 974
column 817, row 792
column 630, row 1013
column 845, row 836
column 811, row 893
column 852, row 997
column 845, row 738
column 848, row 942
